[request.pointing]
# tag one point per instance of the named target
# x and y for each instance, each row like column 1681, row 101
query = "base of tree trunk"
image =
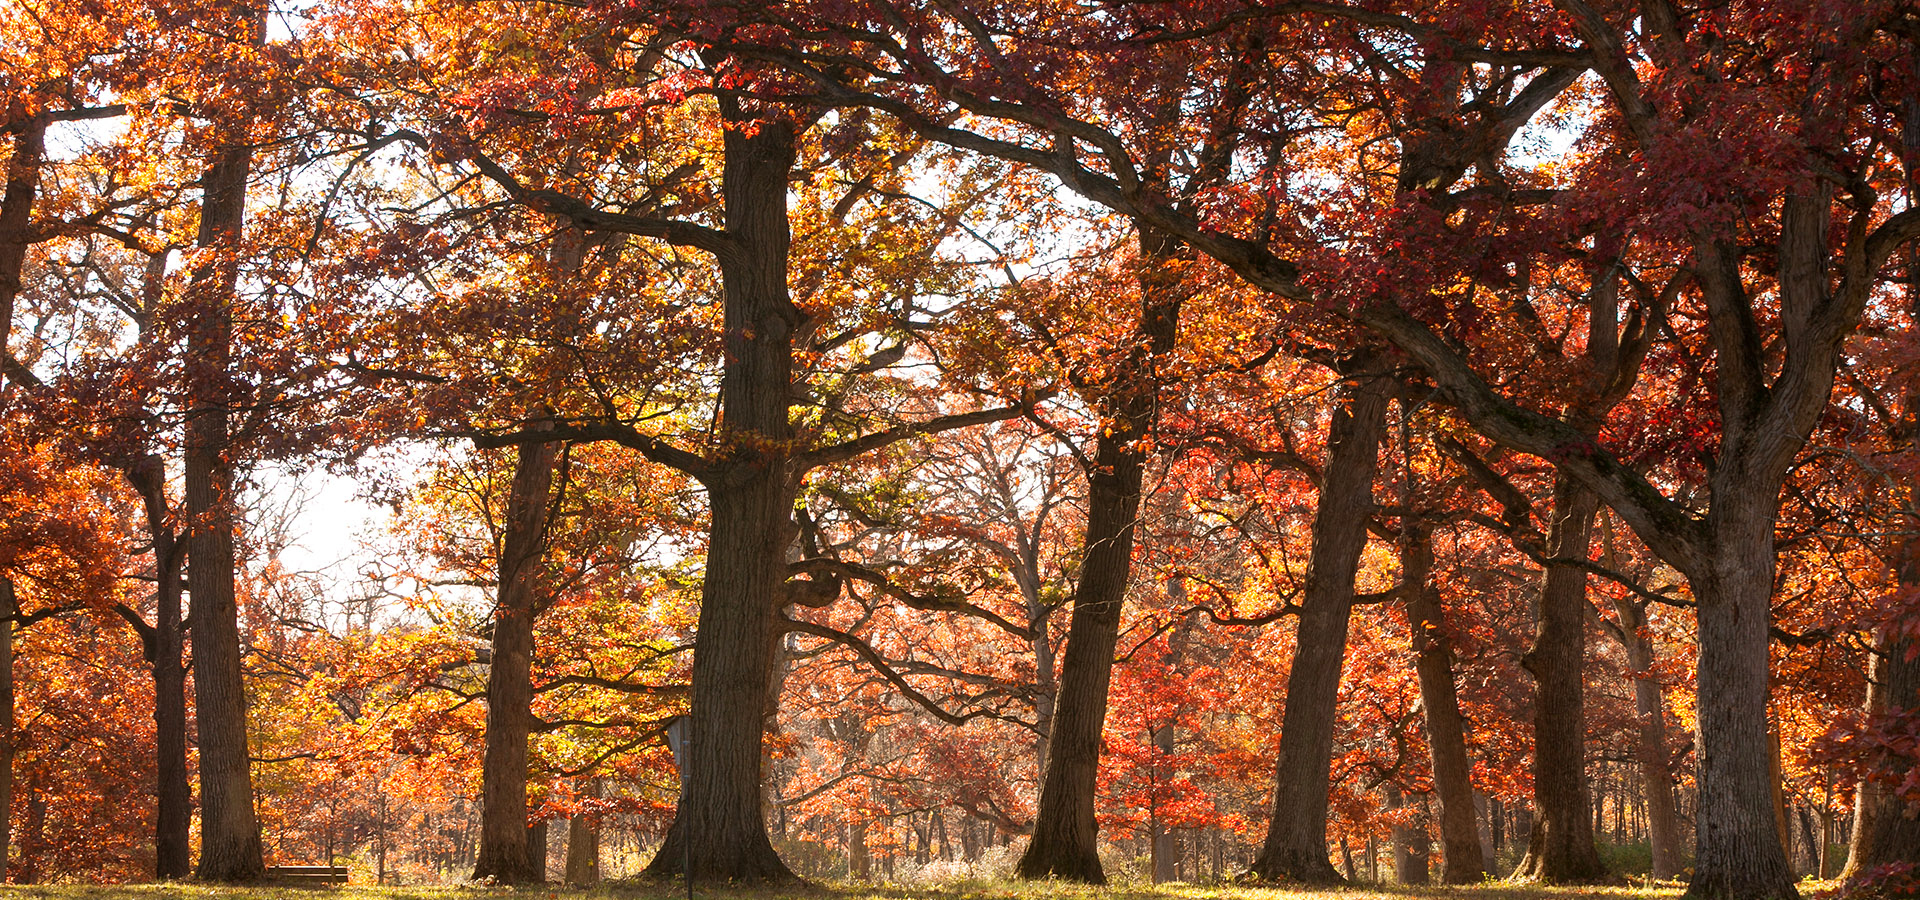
column 1293, row 867
column 1064, row 860
column 496, row 869
column 233, row 865
column 1550, row 861
column 1083, row 868
column 1741, row 886
column 749, row 862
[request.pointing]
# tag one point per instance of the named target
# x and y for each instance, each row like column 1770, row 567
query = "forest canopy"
column 1306, row 442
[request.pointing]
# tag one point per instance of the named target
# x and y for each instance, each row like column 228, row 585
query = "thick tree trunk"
column 1738, row 854
column 504, row 856
column 1560, row 850
column 719, row 821
column 1065, row 837
column 1650, row 744
column 1296, row 845
column 229, row 829
column 1446, row 727
column 1884, row 831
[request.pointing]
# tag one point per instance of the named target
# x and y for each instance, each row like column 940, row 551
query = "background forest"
column 1315, row 439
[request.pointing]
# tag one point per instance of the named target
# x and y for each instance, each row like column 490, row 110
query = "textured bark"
column 165, row 650
column 1883, row 830
column 1065, row 837
column 1651, row 754
column 1560, row 850
column 1046, row 686
column 1446, row 727
column 719, row 821
column 504, row 856
column 1737, row 854
column 1296, row 844
column 229, row 829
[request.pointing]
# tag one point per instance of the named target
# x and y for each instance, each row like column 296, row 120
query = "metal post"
column 686, row 809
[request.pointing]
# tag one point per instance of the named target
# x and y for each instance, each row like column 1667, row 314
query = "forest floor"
column 973, row 890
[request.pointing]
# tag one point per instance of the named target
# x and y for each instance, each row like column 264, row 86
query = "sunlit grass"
column 963, row 890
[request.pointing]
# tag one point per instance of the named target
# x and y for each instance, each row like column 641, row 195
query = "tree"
column 1679, row 123
column 504, row 855
column 1296, row 842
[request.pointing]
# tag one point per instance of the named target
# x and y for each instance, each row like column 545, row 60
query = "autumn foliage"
column 1185, row 440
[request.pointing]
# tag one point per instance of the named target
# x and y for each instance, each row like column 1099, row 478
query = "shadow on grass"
column 959, row 890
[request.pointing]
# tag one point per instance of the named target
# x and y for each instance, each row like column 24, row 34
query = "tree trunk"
column 1046, row 686
column 1296, row 844
column 16, row 224
column 9, row 608
column 1560, row 850
column 583, row 847
column 1065, row 837
column 1883, row 830
column 537, row 833
column 33, row 838
column 229, row 829
column 1650, row 745
column 504, row 856
column 1162, row 848
column 1446, row 727
column 165, row 646
column 1738, row 854
column 1412, row 848
column 751, row 499
column 859, row 860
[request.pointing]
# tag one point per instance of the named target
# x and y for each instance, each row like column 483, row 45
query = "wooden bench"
column 308, row 874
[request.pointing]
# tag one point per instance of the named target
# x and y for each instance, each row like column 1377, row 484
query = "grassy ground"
column 956, row 891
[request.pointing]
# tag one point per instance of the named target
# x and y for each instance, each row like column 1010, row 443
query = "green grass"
column 980, row 890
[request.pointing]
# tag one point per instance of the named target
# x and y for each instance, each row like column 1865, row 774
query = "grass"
column 971, row 890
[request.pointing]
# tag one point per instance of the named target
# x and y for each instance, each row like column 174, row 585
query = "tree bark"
column 504, row 856
column 1883, row 830
column 1560, row 850
column 1650, row 745
column 583, row 845
column 9, row 608
column 750, row 494
column 1446, row 726
column 229, row 829
column 859, row 860
column 1737, row 853
column 16, row 222
column 1296, row 844
column 1065, row 837
column 165, row 648
column 1412, row 848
